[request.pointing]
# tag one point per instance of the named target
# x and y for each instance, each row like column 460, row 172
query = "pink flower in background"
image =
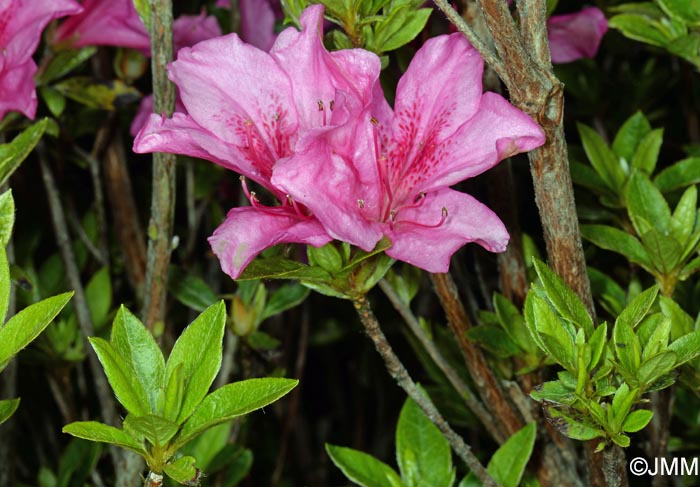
column 116, row 23
column 248, row 109
column 389, row 173
column 577, row 35
column 258, row 18
column 21, row 24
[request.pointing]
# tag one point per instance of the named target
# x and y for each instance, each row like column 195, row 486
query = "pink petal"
column 182, row 135
column 318, row 76
column 188, row 30
column 238, row 93
column 497, row 130
column 418, row 237
column 17, row 92
column 257, row 23
column 332, row 188
column 146, row 110
column 223, row 3
column 247, row 231
column 577, row 35
column 105, row 23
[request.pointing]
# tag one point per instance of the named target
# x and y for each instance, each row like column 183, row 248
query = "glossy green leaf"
column 233, row 400
column 655, row 367
column 638, row 308
column 98, row 294
column 7, row 216
column 189, row 289
column 508, row 462
column 401, row 26
column 14, row 153
column 603, row 160
column 174, row 393
column 647, row 153
column 627, row 346
column 422, row 452
column 597, row 343
column 630, row 135
column 615, row 240
column 687, row 11
column 640, row 28
column 94, row 431
column 199, row 349
column 555, row 392
column 8, row 408
column 135, row 344
column 563, row 298
column 281, row 268
column 120, row 374
column 658, row 340
column 637, row 420
column 552, row 336
column 26, row 325
column 578, row 428
column 684, row 215
column 681, row 322
column 327, row 257
column 513, row 323
column 64, row 62
column 664, row 251
column 183, row 470
column 687, row 47
column 156, row 430
column 363, row 469
column 283, row 298
column 646, row 204
column 679, row 175
column 105, row 95
column 686, row 347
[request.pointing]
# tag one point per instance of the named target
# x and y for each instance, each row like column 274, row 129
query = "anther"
column 361, row 204
column 320, row 106
column 332, row 105
column 374, row 121
column 294, row 205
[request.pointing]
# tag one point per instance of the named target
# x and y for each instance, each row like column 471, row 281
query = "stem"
column 462, row 389
column 400, row 374
column 160, row 227
column 100, row 217
column 58, row 218
column 153, row 480
column 484, row 379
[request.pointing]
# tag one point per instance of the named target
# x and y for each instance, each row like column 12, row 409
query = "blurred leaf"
column 363, row 469
column 98, row 294
column 285, row 297
column 8, row 408
column 687, row 11
column 646, row 205
column 508, row 463
column 233, row 400
column 189, row 289
column 105, row 95
column 144, row 11
column 64, row 62
column 679, row 175
column 640, row 28
column 14, row 153
column 630, row 135
column 687, row 47
column 7, row 216
column 422, row 452
column 603, row 160
column 259, row 340
column 54, row 100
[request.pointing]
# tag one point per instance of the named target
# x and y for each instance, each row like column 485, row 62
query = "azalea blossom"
column 21, row 24
column 116, row 23
column 258, row 18
column 577, row 35
column 247, row 109
column 389, row 174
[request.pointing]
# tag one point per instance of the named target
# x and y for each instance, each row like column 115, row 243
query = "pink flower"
column 248, row 109
column 389, row 173
column 258, row 19
column 577, row 35
column 116, row 23
column 21, row 23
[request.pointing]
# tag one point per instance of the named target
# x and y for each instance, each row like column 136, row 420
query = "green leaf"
column 7, row 216
column 681, row 322
column 679, row 175
column 597, row 343
column 508, row 463
column 563, row 298
column 233, row 400
column 363, row 469
column 422, row 452
column 637, row 420
column 144, row 11
column 174, row 393
column 120, row 374
column 647, row 153
column 94, row 431
column 684, row 216
column 645, row 203
column 627, row 347
column 665, row 252
column 621, row 440
column 5, row 286
column 8, row 408
column 686, row 347
column 551, row 334
column 513, row 323
column 183, row 471
column 26, row 325
column 615, row 240
column 638, row 308
column 64, row 62
column 157, row 430
column 135, row 344
column 630, row 135
column 105, row 95
column 285, row 297
column 640, row 28
column 189, row 289
column 655, row 367
column 494, row 339
column 686, row 11
column 327, row 257
column 281, row 268
column 578, row 428
column 658, row 341
column 553, row 391
column 98, row 294
column 199, row 349
column 401, row 26
column 687, row 47
column 603, row 160
column 54, row 100
column 13, row 153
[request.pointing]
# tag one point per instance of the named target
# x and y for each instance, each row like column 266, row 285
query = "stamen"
column 245, row 187
column 321, row 108
column 332, row 105
column 294, row 205
column 361, row 204
column 373, row 121
column 320, row 105
column 443, row 218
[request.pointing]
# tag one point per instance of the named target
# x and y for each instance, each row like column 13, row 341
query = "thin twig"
column 74, row 223
column 462, row 389
column 58, row 218
column 485, row 380
column 160, row 227
column 100, row 217
column 399, row 373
